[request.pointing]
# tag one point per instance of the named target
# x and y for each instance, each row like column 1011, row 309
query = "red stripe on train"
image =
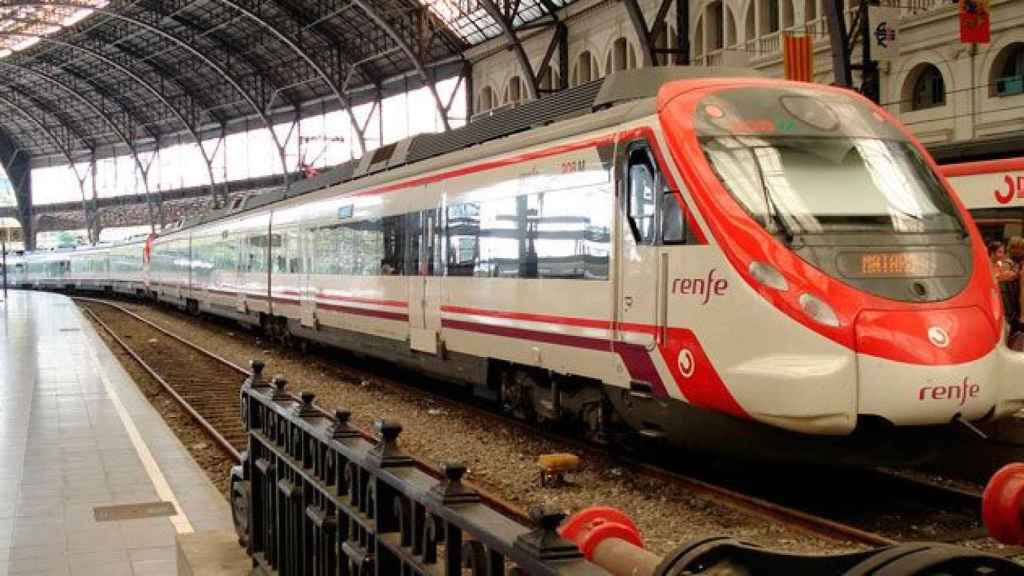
column 635, row 357
column 398, row 316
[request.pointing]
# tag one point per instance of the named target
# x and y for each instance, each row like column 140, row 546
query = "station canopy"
column 97, row 78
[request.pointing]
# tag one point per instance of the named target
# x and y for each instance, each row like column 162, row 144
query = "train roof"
column 85, row 248
column 604, row 93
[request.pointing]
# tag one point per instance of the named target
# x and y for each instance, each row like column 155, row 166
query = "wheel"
column 517, row 389
column 593, row 416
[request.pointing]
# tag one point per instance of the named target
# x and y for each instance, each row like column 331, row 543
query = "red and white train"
column 729, row 262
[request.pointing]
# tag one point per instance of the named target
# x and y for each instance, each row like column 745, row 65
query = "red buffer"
column 608, row 537
column 1002, row 506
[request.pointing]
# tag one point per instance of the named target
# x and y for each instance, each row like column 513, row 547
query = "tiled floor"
column 67, row 415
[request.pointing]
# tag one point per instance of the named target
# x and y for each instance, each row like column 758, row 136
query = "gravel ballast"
column 501, row 458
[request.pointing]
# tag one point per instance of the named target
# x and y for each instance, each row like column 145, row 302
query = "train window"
column 673, row 223
column 463, row 232
column 554, row 234
column 393, row 238
column 293, row 251
column 642, row 179
column 412, row 228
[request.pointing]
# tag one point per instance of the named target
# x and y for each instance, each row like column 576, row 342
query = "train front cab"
column 785, row 316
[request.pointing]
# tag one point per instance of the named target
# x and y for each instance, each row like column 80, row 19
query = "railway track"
column 204, row 384
column 210, row 395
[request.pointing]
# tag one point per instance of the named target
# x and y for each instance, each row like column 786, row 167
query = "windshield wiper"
column 773, row 211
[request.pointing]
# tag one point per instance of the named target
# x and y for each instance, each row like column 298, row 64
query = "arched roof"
column 133, row 73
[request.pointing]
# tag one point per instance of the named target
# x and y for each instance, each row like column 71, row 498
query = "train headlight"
column 818, row 310
column 767, row 275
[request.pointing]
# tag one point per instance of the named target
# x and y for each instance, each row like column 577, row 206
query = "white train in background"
column 734, row 264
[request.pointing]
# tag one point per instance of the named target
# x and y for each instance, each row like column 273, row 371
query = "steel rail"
column 202, row 421
column 803, row 521
column 497, row 502
column 756, row 506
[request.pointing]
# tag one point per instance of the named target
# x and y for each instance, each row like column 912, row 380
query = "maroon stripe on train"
column 636, row 357
column 398, row 316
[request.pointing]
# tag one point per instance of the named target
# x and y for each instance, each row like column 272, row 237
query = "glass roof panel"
column 469, row 20
column 23, row 25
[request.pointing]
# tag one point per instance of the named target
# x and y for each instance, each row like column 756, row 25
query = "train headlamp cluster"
column 815, row 308
column 768, row 276
column 818, row 310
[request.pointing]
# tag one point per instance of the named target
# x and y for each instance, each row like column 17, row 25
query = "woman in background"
column 1007, row 277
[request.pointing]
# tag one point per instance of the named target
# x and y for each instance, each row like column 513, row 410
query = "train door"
column 422, row 265
column 307, row 299
column 638, row 270
column 241, row 302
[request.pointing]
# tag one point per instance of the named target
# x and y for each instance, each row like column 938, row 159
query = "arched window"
column 514, row 91
column 749, row 30
column 730, row 27
column 769, row 16
column 1007, row 74
column 698, row 37
column 927, row 88
column 715, row 41
column 810, row 10
column 586, row 69
column 622, row 56
column 485, row 101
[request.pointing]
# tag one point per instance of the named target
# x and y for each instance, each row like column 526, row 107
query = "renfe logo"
column 1014, row 189
column 705, row 287
column 961, row 391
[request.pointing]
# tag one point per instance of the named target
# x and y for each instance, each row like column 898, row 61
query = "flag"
column 798, row 58
column 975, row 26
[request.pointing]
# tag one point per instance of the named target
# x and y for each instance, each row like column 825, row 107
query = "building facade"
column 963, row 101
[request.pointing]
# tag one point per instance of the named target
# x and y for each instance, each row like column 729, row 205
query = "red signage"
column 798, row 58
column 975, row 26
column 1014, row 189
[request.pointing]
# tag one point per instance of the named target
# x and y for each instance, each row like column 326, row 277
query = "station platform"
column 92, row 481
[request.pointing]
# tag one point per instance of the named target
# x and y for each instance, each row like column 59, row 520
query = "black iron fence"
column 314, row 497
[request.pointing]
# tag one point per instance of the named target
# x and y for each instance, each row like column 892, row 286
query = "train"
column 993, row 191
column 703, row 258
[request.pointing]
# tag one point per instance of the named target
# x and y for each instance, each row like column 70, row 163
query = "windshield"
column 827, row 164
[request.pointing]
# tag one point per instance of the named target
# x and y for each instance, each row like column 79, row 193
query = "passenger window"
column 641, row 203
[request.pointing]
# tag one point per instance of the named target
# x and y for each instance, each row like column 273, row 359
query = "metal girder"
column 101, row 39
column 38, row 124
column 65, row 67
column 840, row 42
column 267, row 74
column 532, row 90
column 645, row 34
column 188, row 47
column 18, row 165
column 316, row 18
column 15, row 99
column 126, row 139
column 303, row 53
column 557, row 43
column 428, row 79
column 142, row 82
column 102, row 114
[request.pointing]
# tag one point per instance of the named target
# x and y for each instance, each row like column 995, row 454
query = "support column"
column 18, row 165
